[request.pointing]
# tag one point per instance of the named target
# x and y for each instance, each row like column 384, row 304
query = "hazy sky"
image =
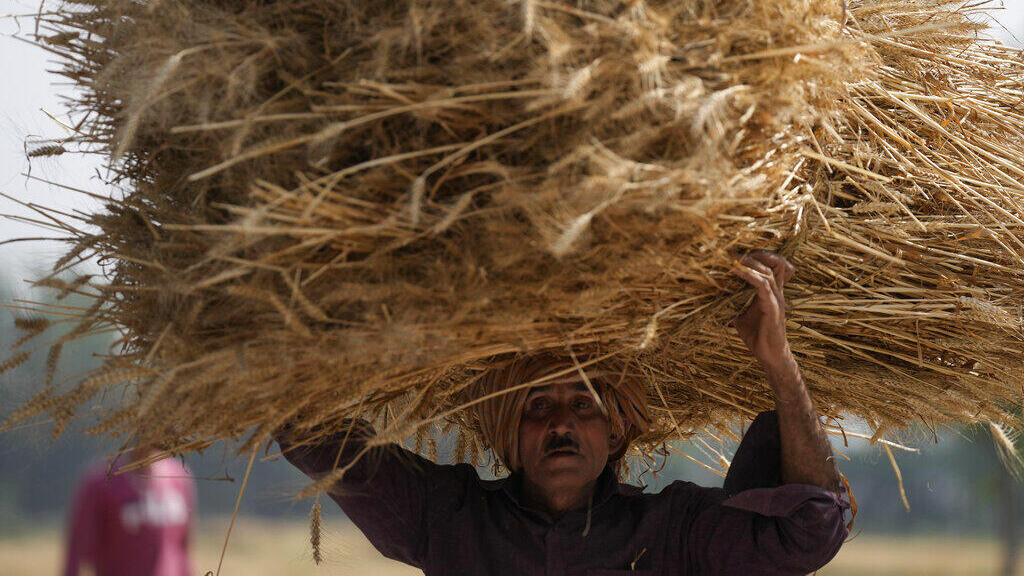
column 28, row 89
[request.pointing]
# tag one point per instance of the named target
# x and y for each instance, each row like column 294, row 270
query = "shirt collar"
column 607, row 485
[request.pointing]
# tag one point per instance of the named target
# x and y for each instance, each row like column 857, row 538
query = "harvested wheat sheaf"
column 341, row 208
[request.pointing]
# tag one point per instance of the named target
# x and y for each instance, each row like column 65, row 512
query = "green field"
column 267, row 548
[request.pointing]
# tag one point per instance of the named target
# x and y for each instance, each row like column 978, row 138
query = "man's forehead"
column 577, row 385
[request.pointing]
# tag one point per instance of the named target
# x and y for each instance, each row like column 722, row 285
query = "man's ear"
column 616, row 445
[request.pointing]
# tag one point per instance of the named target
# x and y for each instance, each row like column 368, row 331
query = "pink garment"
column 132, row 524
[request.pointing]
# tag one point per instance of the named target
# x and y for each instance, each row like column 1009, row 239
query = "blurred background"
column 963, row 512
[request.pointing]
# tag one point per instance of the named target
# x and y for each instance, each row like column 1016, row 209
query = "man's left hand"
column 763, row 326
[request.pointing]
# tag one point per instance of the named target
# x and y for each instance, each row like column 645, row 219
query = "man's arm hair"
column 806, row 453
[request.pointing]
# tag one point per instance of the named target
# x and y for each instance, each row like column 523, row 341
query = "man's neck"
column 556, row 501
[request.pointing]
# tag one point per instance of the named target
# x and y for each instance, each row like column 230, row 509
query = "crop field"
column 267, row 548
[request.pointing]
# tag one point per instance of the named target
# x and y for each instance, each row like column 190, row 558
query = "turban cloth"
column 624, row 397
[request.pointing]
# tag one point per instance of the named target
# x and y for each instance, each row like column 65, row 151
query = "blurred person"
column 132, row 523
column 562, row 510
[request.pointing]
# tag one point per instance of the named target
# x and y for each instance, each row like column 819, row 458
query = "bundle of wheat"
column 340, row 208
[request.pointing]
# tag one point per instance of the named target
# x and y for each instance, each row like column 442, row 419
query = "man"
column 562, row 510
column 132, row 523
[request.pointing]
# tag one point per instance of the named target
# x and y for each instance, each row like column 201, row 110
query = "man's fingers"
column 752, row 271
column 763, row 270
column 781, row 267
column 761, row 278
column 761, row 267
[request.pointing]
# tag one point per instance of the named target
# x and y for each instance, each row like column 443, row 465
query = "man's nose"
column 562, row 418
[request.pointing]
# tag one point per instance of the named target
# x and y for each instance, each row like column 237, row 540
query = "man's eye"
column 583, row 403
column 539, row 404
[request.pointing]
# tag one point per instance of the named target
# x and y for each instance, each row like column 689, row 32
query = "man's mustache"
column 561, row 443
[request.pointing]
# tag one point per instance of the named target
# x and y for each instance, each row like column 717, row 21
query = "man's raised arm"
column 806, row 454
column 754, row 525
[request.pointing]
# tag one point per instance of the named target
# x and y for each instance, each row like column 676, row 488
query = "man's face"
column 564, row 438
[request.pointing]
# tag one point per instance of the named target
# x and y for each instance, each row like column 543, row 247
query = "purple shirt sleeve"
column 757, row 526
column 385, row 493
column 793, row 529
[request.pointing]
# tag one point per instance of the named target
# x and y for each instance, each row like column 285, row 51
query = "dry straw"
column 340, row 208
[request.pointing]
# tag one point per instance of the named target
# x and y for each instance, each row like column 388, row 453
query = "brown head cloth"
column 499, row 417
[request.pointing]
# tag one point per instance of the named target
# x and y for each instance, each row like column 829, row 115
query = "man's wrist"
column 784, row 373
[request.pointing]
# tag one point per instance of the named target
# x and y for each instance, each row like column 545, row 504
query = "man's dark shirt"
column 446, row 520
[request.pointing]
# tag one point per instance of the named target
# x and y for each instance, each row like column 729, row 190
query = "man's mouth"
column 560, row 452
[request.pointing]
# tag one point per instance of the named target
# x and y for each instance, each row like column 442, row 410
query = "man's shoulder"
column 491, row 484
column 452, row 478
column 451, row 486
column 674, row 505
column 681, row 491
